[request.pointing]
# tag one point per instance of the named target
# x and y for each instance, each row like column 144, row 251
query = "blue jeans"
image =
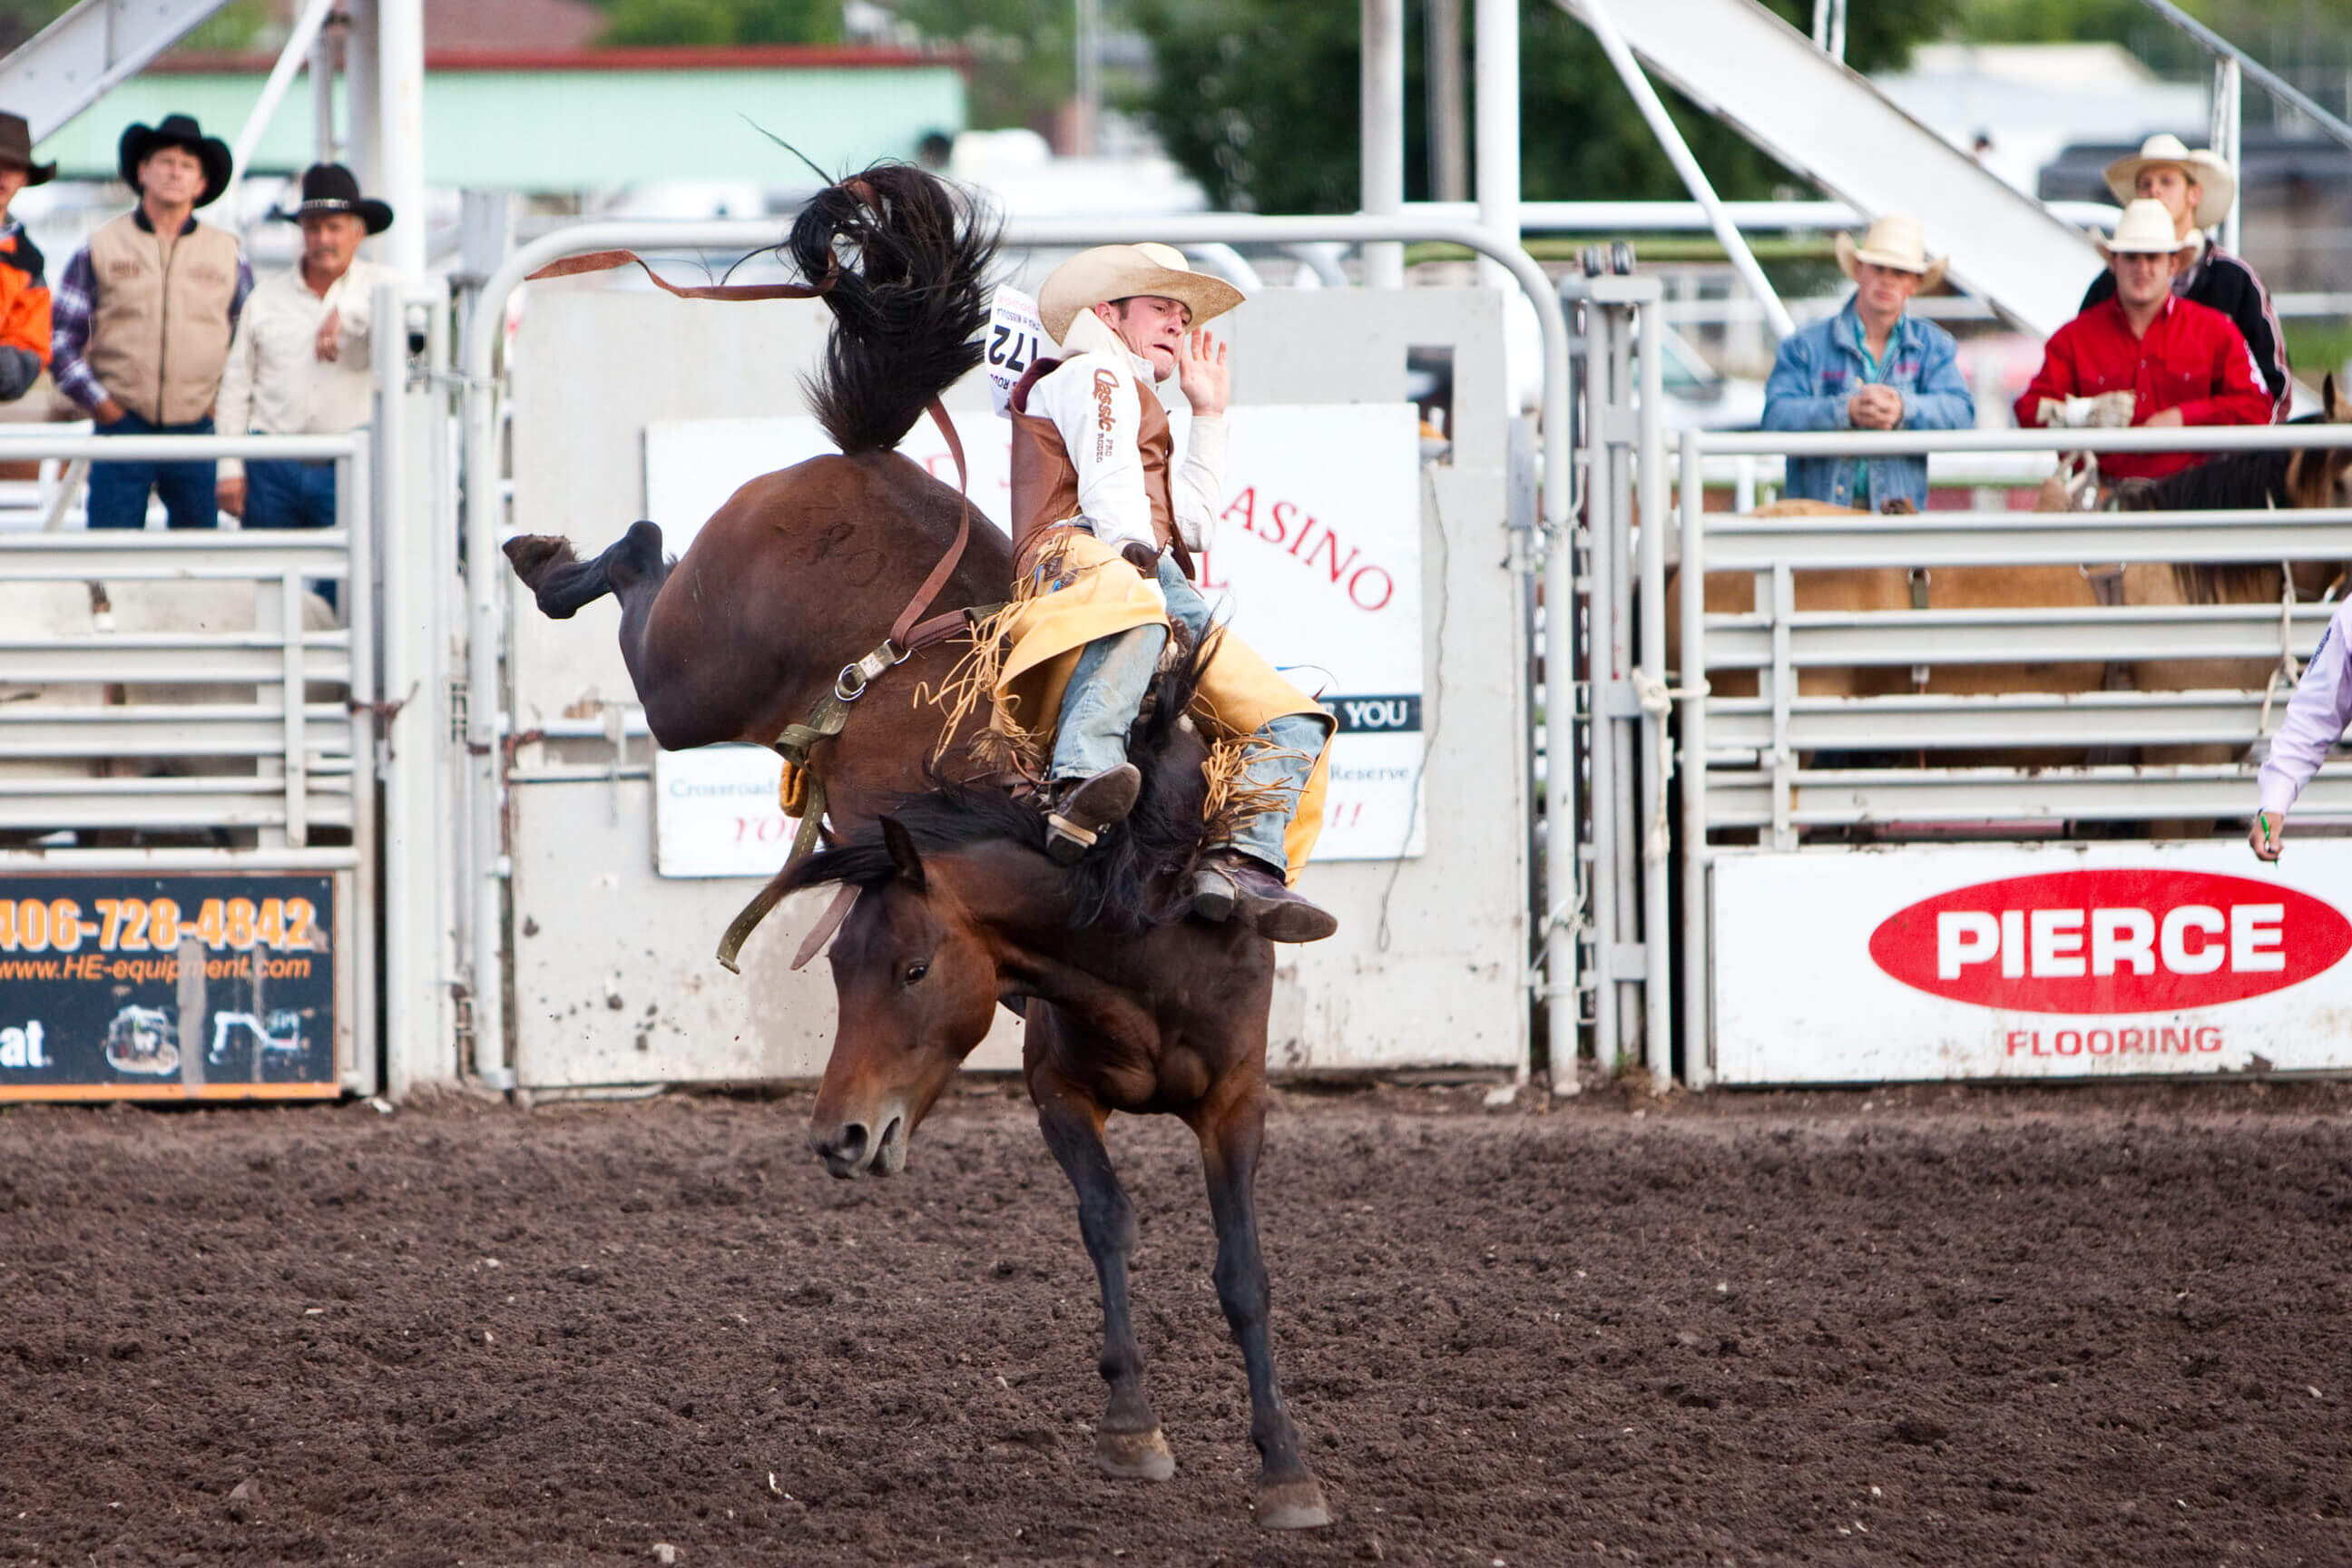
column 117, row 491
column 283, row 492
column 1107, row 688
column 280, row 492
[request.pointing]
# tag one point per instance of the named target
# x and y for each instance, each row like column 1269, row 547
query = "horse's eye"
column 914, row 972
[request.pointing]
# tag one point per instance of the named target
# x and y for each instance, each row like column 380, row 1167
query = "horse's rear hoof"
column 1134, row 1455
column 1292, row 1505
column 529, row 554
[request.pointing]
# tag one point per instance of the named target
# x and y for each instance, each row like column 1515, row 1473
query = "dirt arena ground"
column 1930, row 1326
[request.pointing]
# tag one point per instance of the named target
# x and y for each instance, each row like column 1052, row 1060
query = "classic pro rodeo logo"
column 2139, row 941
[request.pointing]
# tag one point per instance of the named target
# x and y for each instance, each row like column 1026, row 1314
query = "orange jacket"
column 24, row 295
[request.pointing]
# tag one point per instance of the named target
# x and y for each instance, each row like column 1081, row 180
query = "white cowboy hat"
column 1110, row 272
column 2217, row 185
column 2145, row 229
column 1895, row 240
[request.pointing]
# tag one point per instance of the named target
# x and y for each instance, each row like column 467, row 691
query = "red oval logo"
column 2134, row 941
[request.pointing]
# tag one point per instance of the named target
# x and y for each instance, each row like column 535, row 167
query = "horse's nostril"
column 846, row 1146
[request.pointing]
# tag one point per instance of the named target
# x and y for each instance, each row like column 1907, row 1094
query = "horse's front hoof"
column 1292, row 1505
column 1134, row 1455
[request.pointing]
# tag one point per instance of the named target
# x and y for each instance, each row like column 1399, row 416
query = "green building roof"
column 581, row 120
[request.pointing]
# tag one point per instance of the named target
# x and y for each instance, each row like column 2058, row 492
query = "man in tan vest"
column 1106, row 522
column 142, row 322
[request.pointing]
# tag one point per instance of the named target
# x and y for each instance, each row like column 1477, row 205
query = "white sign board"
column 715, row 812
column 2064, row 961
column 1316, row 561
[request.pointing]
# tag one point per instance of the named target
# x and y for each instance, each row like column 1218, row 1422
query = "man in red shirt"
column 2178, row 362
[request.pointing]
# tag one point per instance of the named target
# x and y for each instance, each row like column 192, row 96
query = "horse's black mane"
column 1131, row 881
column 2227, row 480
column 909, row 301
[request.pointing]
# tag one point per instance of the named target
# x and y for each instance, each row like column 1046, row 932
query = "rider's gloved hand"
column 1143, row 558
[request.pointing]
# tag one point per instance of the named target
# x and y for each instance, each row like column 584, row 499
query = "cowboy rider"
column 2171, row 360
column 1105, row 522
column 2197, row 188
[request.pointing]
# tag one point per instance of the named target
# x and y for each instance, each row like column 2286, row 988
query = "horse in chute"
column 2282, row 479
column 784, row 608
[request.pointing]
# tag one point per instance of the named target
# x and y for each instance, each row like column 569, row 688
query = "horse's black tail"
column 908, row 302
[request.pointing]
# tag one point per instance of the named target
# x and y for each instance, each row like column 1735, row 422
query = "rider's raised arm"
column 1198, row 492
column 2316, row 718
column 1092, row 401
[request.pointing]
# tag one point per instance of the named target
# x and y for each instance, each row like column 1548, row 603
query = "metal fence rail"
column 1782, row 763
column 182, row 703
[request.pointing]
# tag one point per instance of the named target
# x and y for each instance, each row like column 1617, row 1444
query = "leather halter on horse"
column 909, row 632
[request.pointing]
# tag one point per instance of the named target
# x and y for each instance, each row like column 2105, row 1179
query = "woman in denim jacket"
column 1872, row 366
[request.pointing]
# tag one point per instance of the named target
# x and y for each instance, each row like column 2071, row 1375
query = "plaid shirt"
column 75, row 299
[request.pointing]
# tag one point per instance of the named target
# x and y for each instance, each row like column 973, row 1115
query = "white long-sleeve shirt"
column 1101, row 426
column 275, row 382
column 2316, row 716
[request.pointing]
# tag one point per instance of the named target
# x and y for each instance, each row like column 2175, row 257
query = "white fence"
column 185, row 727
column 1777, row 769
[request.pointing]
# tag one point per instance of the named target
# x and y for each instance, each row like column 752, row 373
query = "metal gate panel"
column 1430, row 966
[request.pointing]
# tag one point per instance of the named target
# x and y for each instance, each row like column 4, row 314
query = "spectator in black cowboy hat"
column 145, row 315
column 23, row 288
column 300, row 364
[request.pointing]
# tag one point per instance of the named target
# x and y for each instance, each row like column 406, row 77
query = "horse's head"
column 915, row 982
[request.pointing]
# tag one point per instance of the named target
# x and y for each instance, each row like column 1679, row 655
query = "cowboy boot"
column 1231, row 885
column 1084, row 807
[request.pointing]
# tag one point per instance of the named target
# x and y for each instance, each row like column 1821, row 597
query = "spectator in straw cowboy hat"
column 299, row 363
column 145, row 315
column 1872, row 366
column 2196, row 189
column 24, row 289
column 2178, row 362
column 1105, row 521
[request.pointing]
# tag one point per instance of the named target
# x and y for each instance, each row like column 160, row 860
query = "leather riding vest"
column 1045, row 482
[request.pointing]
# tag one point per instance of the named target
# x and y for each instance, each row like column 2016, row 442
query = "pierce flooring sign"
column 2056, row 962
column 167, row 986
column 1316, row 560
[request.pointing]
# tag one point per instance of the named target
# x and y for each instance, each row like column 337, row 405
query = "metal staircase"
column 71, row 63
column 1742, row 63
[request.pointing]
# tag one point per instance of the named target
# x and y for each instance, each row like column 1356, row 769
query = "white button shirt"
column 1101, row 432
column 275, row 383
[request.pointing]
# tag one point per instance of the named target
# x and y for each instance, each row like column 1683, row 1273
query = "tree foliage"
column 1020, row 55
column 1258, row 100
column 716, row 24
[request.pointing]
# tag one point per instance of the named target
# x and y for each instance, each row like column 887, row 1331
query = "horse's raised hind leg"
column 561, row 582
column 1288, row 1497
column 1129, row 1442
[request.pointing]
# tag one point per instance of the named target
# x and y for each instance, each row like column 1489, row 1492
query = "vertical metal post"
column 354, row 495
column 1496, row 69
column 1783, row 600
column 400, row 135
column 1600, row 535
column 324, row 144
column 1382, row 103
column 1449, row 144
column 1657, row 757
column 2228, row 136
column 1698, row 1033
column 485, row 738
column 1621, row 707
column 363, row 103
column 1563, row 859
column 1088, row 126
